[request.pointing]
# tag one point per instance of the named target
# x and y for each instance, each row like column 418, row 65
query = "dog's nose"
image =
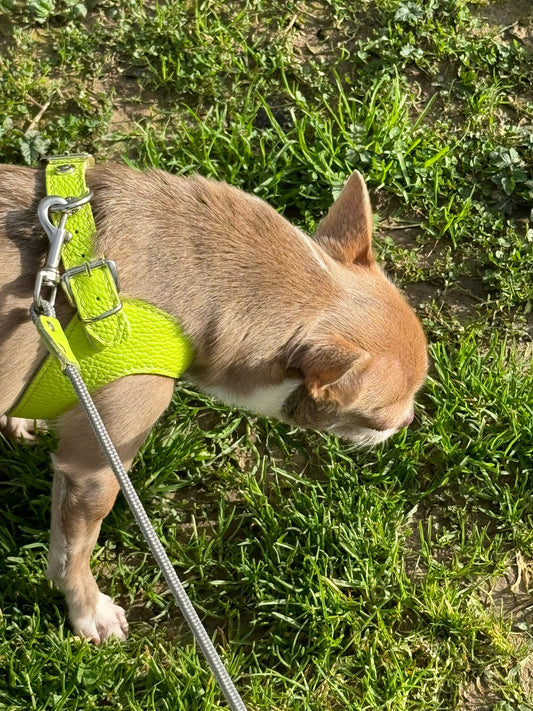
column 409, row 417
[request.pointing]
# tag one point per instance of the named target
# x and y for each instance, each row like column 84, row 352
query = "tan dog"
column 307, row 331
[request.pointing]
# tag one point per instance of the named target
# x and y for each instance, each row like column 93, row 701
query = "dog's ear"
column 346, row 231
column 333, row 371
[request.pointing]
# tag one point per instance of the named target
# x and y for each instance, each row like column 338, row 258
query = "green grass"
column 329, row 579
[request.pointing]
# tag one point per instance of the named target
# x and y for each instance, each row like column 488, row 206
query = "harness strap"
column 109, row 337
column 156, row 345
column 90, row 281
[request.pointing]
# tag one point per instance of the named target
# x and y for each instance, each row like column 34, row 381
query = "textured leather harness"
column 110, row 336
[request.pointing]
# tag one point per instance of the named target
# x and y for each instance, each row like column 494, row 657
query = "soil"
column 513, row 17
column 510, row 596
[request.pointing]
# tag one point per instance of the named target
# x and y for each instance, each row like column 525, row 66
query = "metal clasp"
column 49, row 277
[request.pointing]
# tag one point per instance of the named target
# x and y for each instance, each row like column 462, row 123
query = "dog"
column 306, row 330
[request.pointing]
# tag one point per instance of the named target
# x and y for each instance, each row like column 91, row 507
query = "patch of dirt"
column 314, row 31
column 131, row 104
column 514, row 17
column 478, row 696
column 462, row 300
column 6, row 32
column 526, row 675
column 509, row 596
column 465, row 297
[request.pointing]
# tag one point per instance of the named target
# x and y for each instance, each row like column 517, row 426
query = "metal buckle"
column 65, row 156
column 88, row 268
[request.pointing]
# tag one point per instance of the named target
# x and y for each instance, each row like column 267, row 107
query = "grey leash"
column 189, row 613
column 43, row 315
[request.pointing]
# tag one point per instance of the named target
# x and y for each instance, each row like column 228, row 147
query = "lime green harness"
column 110, row 337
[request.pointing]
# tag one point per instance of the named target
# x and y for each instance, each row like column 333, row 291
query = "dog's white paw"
column 107, row 620
column 18, row 428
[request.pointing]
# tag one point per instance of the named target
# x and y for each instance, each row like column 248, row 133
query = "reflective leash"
column 43, row 315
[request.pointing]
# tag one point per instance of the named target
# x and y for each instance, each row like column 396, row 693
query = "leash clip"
column 49, row 277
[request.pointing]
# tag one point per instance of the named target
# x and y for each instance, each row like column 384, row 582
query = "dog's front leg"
column 84, row 491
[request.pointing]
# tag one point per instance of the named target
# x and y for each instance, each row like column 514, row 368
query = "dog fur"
column 309, row 331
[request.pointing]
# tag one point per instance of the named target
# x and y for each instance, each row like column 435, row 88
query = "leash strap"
column 182, row 599
column 43, row 315
column 56, row 342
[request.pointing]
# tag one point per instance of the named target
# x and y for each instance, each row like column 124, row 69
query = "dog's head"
column 359, row 367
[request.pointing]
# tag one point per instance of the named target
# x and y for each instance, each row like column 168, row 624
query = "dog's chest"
column 267, row 400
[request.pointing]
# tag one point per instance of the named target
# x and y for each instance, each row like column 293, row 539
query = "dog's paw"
column 18, row 428
column 105, row 621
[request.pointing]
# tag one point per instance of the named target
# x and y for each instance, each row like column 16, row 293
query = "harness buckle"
column 70, row 276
